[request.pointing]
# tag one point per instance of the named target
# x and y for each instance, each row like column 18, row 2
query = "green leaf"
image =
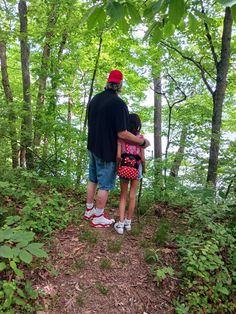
column 227, row 3
column 15, row 251
column 133, row 13
column 157, row 34
column 150, row 30
column 115, row 10
column 6, row 234
column 10, row 220
column 153, row 9
column 124, row 26
column 6, row 251
column 2, row 266
column 19, row 301
column 223, row 290
column 25, row 256
column 97, row 16
column 176, row 11
column 22, row 244
column 169, row 30
column 17, row 271
column 233, row 10
column 23, row 236
column 192, row 22
column 35, row 249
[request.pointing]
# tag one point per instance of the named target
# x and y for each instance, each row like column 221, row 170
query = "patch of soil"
column 98, row 271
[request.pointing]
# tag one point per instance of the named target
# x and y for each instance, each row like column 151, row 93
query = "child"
column 135, row 127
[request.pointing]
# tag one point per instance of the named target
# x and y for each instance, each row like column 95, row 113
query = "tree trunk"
column 51, row 111
column 168, row 139
column 39, row 118
column 218, row 97
column 93, row 80
column 9, row 99
column 26, row 155
column 157, row 119
column 69, row 115
column 180, row 153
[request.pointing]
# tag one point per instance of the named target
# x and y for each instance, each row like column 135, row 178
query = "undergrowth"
column 208, row 260
column 31, row 208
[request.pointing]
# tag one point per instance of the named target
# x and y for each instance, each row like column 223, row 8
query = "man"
column 108, row 120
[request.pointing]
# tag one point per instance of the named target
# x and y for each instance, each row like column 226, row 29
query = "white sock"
column 99, row 211
column 89, row 205
column 128, row 221
column 121, row 224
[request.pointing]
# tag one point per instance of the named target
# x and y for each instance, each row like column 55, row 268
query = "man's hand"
column 132, row 139
column 146, row 144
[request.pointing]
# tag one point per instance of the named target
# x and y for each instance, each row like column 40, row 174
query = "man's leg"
column 100, row 219
column 101, row 199
column 91, row 190
column 90, row 210
column 105, row 176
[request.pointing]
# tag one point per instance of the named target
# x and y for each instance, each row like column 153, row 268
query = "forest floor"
column 95, row 270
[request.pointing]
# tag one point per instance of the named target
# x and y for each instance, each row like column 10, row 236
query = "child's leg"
column 123, row 195
column 132, row 198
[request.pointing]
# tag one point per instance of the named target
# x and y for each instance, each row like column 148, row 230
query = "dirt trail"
column 98, row 271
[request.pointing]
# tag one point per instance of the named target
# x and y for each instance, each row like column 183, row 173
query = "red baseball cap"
column 115, row 76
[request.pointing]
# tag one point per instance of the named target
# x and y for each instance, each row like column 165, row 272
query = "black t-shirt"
column 107, row 115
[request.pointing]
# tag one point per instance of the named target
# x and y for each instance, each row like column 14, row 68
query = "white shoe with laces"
column 101, row 221
column 119, row 227
column 89, row 213
column 127, row 224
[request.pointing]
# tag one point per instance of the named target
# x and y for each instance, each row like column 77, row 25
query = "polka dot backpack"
column 129, row 165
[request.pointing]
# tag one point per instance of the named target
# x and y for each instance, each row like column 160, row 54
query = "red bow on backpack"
column 132, row 162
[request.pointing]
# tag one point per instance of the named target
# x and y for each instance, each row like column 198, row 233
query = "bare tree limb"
column 196, row 63
column 208, row 35
column 178, row 87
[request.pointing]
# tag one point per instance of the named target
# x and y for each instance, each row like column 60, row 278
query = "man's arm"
column 129, row 137
column 118, row 155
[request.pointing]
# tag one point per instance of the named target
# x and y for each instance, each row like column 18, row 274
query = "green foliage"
column 79, row 264
column 88, row 236
column 176, row 11
column 162, row 273
column 114, row 246
column 16, row 294
column 227, row 3
column 151, row 256
column 16, row 248
column 41, row 209
column 208, row 260
column 162, row 231
column 105, row 264
column 101, row 288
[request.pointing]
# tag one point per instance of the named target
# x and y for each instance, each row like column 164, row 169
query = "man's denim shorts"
column 102, row 172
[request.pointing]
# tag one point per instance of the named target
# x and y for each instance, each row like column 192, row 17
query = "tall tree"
column 26, row 154
column 180, row 153
column 9, row 100
column 157, row 119
column 44, row 72
column 218, row 94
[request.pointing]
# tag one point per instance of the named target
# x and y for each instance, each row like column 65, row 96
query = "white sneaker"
column 101, row 221
column 127, row 224
column 89, row 213
column 119, row 227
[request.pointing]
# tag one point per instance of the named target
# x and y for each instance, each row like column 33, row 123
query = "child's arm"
column 118, row 154
column 143, row 160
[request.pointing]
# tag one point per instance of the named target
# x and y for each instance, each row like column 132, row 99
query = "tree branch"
column 208, row 35
column 177, row 86
column 196, row 63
